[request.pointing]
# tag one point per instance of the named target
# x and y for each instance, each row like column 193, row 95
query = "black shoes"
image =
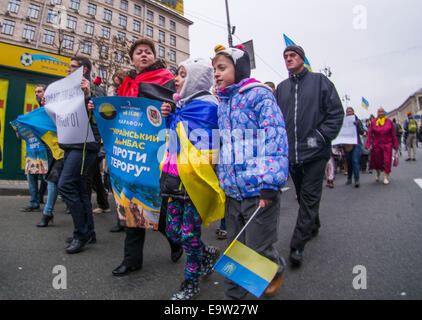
column 91, row 240
column 357, row 184
column 46, row 218
column 296, row 257
column 75, row 246
column 123, row 270
column 30, row 209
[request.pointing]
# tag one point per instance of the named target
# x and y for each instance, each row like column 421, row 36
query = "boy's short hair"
column 43, row 86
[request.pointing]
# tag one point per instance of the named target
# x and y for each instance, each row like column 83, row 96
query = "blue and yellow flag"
column 365, row 103
column 197, row 150
column 247, row 268
column 41, row 125
column 289, row 42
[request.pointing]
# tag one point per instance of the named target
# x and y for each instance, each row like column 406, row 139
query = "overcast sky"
column 373, row 47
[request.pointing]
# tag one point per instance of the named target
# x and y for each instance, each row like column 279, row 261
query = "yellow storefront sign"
column 4, row 85
column 33, row 60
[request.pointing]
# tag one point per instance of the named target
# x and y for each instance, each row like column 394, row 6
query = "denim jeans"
column 72, row 187
column 34, row 202
column 51, row 197
column 353, row 162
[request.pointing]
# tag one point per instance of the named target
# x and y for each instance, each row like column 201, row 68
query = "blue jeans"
column 34, row 202
column 353, row 162
column 72, row 187
column 51, row 198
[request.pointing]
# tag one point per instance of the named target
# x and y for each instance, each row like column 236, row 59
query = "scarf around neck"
column 381, row 121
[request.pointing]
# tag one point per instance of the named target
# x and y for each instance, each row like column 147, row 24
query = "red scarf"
column 130, row 87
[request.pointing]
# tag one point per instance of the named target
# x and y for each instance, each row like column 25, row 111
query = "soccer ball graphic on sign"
column 26, row 59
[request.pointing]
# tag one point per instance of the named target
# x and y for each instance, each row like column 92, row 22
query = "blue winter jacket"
column 254, row 147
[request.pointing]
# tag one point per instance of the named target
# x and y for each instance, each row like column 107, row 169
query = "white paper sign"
column 348, row 133
column 65, row 104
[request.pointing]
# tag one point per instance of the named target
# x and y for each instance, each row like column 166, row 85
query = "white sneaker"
column 386, row 180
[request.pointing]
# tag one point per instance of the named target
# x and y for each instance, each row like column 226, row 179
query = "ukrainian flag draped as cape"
column 290, row 42
column 196, row 155
column 44, row 128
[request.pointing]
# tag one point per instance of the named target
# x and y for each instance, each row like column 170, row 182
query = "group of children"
column 251, row 170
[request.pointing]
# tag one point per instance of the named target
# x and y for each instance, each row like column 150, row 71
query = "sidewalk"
column 14, row 188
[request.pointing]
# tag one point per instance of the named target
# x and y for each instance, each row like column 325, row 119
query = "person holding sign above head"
column 151, row 80
column 72, row 182
column 382, row 137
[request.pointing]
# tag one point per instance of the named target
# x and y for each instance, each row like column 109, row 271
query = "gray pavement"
column 376, row 226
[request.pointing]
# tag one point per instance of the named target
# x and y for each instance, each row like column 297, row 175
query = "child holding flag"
column 253, row 164
column 188, row 177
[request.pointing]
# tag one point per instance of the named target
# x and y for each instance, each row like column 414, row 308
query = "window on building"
column 92, row 9
column 28, row 32
column 74, row 4
column 161, row 36
column 150, row 31
column 33, row 11
column 56, row 1
column 86, row 47
column 8, row 27
column 105, row 32
column 162, row 21
column 102, row 72
column 103, row 52
column 172, row 40
column 137, row 10
column 150, row 15
column 173, row 55
column 134, row 38
column 172, row 25
column 121, row 36
column 13, row 6
column 124, row 5
column 71, row 22
column 68, row 42
column 48, row 37
column 136, row 26
column 122, row 20
column 109, row 2
column 119, row 56
column 161, row 52
column 108, row 14
column 52, row 16
column 89, row 27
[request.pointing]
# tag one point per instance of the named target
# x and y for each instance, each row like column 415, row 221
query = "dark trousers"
column 135, row 239
column 308, row 179
column 72, row 187
column 94, row 179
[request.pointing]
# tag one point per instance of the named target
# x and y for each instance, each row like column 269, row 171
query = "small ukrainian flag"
column 290, row 42
column 365, row 103
column 246, row 267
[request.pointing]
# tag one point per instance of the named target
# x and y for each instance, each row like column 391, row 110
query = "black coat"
column 313, row 115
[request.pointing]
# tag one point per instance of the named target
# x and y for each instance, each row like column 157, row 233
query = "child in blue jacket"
column 253, row 164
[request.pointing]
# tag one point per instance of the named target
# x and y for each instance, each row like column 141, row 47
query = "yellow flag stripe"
column 251, row 260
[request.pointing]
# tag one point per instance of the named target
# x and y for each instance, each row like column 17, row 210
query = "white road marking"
column 418, row 181
column 288, row 188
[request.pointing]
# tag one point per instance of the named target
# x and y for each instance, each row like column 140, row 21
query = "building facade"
column 413, row 104
column 99, row 29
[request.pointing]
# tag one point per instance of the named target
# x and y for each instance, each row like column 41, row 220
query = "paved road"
column 375, row 226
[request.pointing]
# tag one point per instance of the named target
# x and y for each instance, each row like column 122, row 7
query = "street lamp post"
column 229, row 29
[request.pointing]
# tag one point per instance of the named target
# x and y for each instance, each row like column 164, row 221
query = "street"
column 369, row 247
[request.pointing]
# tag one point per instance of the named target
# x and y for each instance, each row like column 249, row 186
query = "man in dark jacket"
column 313, row 115
column 72, row 184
